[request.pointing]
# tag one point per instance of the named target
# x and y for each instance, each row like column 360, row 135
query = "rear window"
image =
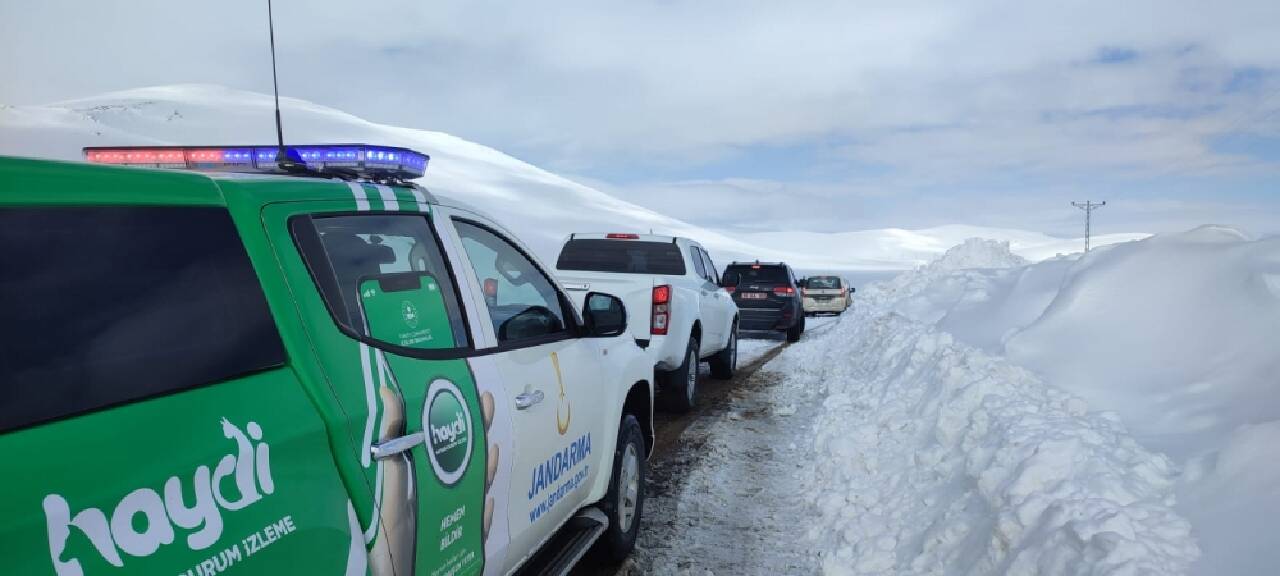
column 823, row 282
column 107, row 305
column 621, row 256
column 735, row 275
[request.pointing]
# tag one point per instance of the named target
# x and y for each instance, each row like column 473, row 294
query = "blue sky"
column 824, row 115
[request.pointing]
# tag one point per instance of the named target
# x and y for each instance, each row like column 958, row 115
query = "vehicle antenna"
column 282, row 156
column 1088, row 207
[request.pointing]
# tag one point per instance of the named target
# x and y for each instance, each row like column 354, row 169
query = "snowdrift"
column 541, row 207
column 1175, row 335
column 936, row 458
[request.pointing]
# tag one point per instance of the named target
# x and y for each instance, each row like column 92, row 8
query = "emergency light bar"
column 360, row 160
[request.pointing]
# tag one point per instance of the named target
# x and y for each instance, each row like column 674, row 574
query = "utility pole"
column 1088, row 207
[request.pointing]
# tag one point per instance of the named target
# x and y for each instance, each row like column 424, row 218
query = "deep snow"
column 903, row 440
column 1174, row 336
column 932, row 457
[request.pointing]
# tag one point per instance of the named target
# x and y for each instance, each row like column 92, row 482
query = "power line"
column 1088, row 206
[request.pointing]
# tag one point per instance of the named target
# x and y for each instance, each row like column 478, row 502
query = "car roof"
column 638, row 237
column 26, row 181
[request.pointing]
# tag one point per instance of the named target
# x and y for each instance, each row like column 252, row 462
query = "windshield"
column 621, row 256
column 823, row 283
column 764, row 275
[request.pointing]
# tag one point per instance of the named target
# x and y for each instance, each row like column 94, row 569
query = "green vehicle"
column 247, row 366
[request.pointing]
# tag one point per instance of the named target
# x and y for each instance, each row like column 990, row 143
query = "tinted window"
column 770, row 275
column 712, row 274
column 699, row 265
column 621, row 256
column 383, row 277
column 823, row 283
column 522, row 302
column 107, row 305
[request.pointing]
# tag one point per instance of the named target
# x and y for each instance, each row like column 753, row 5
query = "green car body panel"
column 268, row 472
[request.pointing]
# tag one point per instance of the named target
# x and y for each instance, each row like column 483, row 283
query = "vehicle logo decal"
column 248, row 469
column 562, row 426
column 449, row 434
column 410, row 314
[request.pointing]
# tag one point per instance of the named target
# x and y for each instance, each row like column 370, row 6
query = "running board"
column 569, row 544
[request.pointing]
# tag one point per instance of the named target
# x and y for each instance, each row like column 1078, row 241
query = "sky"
column 746, row 115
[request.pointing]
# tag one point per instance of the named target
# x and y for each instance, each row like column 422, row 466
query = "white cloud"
column 930, row 95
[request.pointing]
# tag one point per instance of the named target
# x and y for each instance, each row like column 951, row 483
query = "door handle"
column 384, row 450
column 526, row 400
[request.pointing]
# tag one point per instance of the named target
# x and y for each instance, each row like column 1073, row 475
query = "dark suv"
column 767, row 295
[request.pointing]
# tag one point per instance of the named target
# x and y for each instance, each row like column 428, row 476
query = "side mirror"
column 852, row 289
column 604, row 315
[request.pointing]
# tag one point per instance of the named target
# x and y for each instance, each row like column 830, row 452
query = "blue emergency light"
column 358, row 160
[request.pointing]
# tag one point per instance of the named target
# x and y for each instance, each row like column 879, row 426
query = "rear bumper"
column 824, row 305
column 764, row 318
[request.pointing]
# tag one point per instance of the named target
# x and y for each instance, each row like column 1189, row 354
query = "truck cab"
column 324, row 372
column 690, row 316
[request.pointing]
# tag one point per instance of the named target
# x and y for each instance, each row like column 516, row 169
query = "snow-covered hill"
column 538, row 205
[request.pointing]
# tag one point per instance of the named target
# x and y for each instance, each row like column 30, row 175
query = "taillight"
column 784, row 291
column 622, row 236
column 730, row 289
column 659, row 322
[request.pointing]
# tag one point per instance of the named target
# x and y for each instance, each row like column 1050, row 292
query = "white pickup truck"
column 690, row 316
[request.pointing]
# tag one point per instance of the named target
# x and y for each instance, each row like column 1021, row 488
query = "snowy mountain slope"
column 1175, row 335
column 540, row 206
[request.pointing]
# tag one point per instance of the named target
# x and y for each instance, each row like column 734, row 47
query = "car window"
column 383, row 277
column 823, row 282
column 108, row 305
column 621, row 257
column 523, row 304
column 698, row 265
column 713, row 275
column 755, row 274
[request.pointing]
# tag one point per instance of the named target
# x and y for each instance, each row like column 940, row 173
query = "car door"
column 706, row 302
column 549, row 376
column 391, row 329
column 725, row 308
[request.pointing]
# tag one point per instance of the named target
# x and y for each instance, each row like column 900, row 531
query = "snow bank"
column 979, row 290
column 1178, row 334
column 1175, row 334
column 936, row 458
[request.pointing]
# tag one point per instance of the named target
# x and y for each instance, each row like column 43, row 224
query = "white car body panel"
column 584, row 384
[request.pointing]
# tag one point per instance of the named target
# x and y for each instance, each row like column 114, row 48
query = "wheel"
column 680, row 386
column 794, row 332
column 625, row 501
column 725, row 362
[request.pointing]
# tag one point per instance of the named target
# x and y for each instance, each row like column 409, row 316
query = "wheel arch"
column 639, row 403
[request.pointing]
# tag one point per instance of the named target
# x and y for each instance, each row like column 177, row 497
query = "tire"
column 680, row 386
column 624, row 503
column 725, row 363
column 794, row 332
